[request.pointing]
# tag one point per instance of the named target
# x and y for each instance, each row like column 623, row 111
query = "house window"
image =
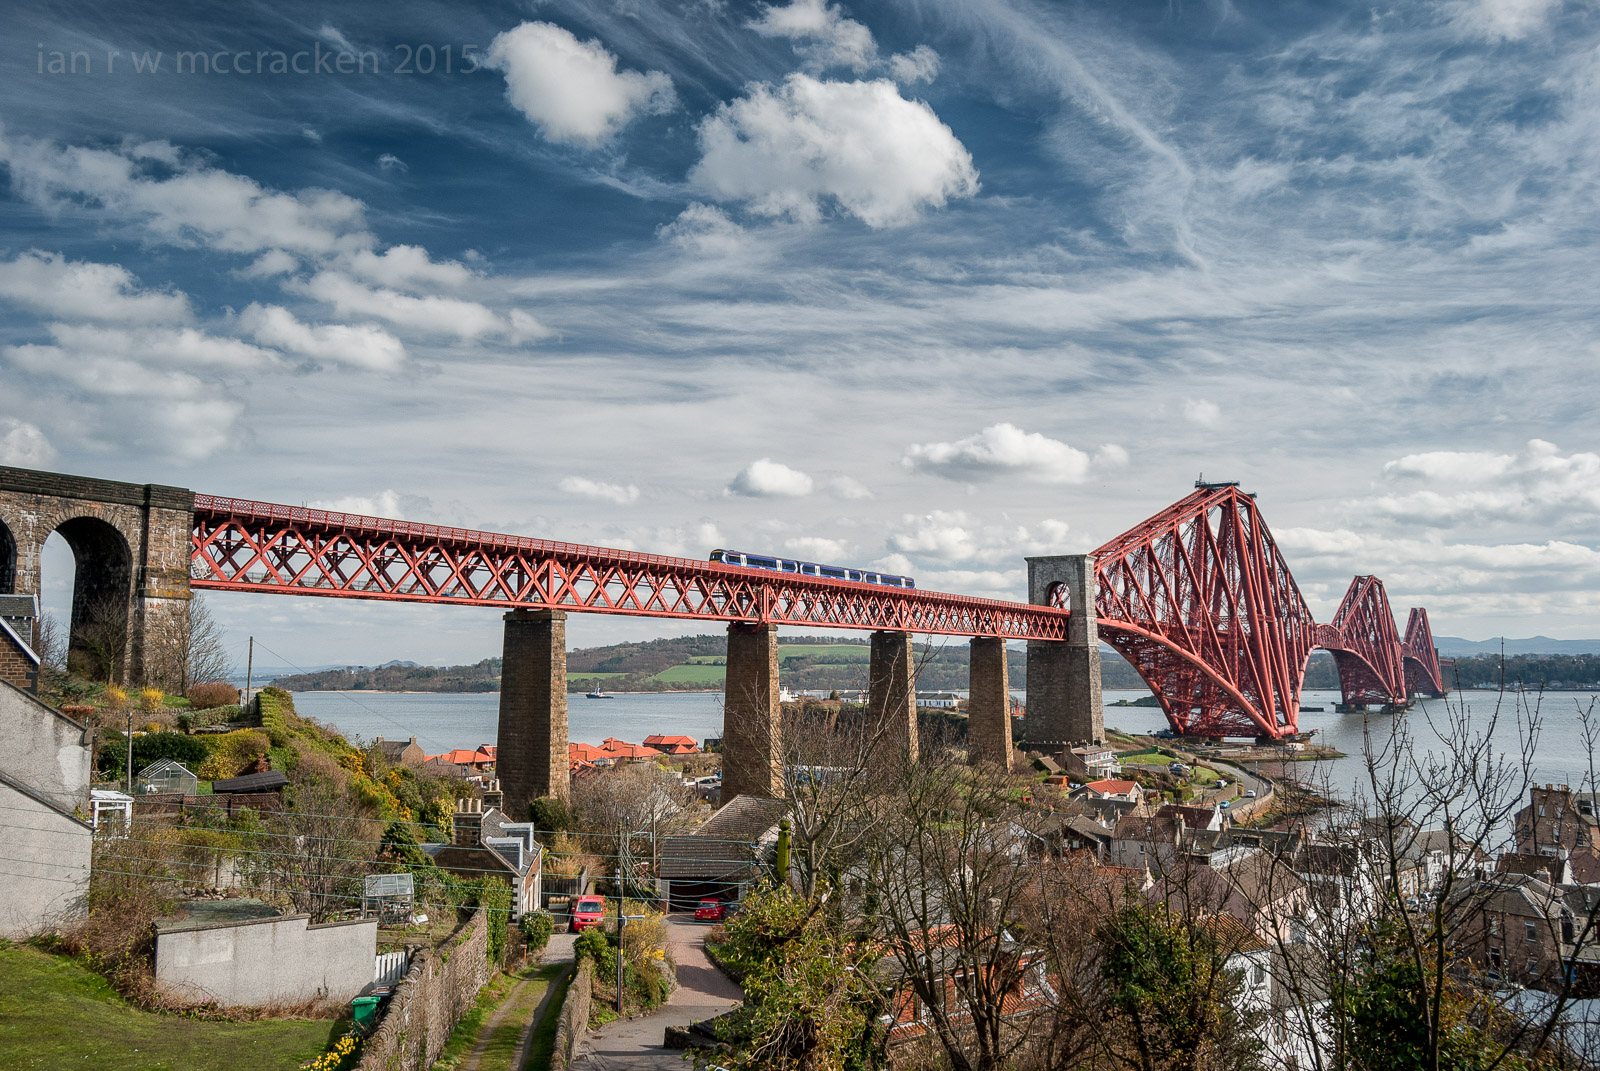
column 1258, row 975
column 1494, row 925
column 1494, row 957
column 1531, row 931
column 1541, row 810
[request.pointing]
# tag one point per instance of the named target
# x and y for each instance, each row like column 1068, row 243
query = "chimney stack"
column 468, row 823
column 492, row 796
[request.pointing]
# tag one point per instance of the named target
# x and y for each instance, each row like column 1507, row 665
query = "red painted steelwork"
column 1200, row 601
column 1424, row 674
column 240, row 545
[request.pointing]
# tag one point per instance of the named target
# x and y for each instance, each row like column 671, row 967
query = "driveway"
column 703, row 991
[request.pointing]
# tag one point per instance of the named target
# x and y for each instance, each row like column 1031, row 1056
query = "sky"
column 927, row 286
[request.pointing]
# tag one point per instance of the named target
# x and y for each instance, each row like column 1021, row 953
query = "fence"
column 389, row 967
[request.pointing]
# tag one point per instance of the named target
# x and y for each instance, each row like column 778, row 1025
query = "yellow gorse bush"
column 151, row 700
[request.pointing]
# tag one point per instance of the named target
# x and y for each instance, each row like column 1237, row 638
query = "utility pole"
column 249, row 671
column 622, row 918
column 130, row 751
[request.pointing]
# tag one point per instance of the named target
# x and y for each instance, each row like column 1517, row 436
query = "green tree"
column 1169, row 985
column 812, row 997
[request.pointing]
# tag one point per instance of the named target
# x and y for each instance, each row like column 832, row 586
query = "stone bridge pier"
column 1065, row 705
column 130, row 545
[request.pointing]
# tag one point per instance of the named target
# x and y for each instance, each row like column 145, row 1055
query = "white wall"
column 44, row 750
column 268, row 961
column 49, row 887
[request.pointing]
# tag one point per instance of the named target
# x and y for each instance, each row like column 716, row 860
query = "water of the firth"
column 444, row 721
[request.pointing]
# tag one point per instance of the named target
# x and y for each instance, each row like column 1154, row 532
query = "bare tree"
column 191, row 651
column 98, row 645
column 316, row 852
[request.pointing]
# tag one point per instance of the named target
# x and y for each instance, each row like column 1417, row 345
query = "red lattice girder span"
column 240, row 545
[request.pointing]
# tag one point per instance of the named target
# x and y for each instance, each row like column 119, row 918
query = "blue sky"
column 929, row 285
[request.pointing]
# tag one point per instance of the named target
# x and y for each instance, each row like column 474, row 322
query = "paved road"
column 703, row 991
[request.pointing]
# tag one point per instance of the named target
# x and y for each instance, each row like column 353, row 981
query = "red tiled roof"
column 585, row 753
column 1112, row 788
column 657, row 740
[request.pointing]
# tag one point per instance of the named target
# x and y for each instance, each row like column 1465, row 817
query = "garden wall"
column 574, row 1016
column 435, row 993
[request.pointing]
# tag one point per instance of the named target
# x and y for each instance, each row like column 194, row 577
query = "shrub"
column 116, row 698
column 232, row 752
column 149, row 748
column 537, row 926
column 592, row 945
column 212, row 694
column 151, row 700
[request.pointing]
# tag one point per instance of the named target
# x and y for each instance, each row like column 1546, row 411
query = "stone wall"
column 532, row 741
column 267, row 961
column 751, row 714
column 435, row 993
column 574, row 1021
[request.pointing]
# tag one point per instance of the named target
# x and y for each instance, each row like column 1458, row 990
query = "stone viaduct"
column 132, row 547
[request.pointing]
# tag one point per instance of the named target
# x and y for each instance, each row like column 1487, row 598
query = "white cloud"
column 24, row 445
column 196, row 205
column 1478, row 486
column 954, row 536
column 272, row 262
column 684, row 541
column 818, row 549
column 51, row 284
column 572, row 89
column 765, row 478
column 1005, row 449
column 431, row 313
column 847, row 488
column 1505, row 19
column 1201, row 412
column 787, row 150
column 148, row 347
column 822, row 33
column 386, row 503
column 358, row 345
column 408, row 267
column 390, row 162
column 921, row 64
column 584, row 487
column 703, row 228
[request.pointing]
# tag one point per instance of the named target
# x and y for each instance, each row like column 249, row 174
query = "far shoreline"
column 392, row 691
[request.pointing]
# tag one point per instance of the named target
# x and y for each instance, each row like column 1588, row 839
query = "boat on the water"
column 598, row 694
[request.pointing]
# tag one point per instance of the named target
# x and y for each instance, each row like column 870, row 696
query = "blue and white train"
column 789, row 565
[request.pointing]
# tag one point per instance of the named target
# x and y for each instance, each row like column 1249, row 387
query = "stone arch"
column 8, row 561
column 102, row 597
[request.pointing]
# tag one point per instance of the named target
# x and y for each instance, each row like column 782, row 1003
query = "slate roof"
column 267, row 781
column 725, row 847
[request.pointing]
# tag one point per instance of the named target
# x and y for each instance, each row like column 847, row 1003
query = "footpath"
column 507, row 1040
column 635, row 1044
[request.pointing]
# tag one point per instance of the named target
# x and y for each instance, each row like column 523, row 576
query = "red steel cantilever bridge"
column 1198, row 598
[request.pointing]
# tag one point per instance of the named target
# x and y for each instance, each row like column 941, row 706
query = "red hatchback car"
column 588, row 911
column 711, row 911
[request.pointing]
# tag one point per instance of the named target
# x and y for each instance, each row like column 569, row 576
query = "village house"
column 1123, row 791
column 399, row 752
column 1092, row 762
column 720, row 859
column 621, row 751
column 1556, row 818
column 486, row 843
column 671, row 745
column 1515, row 928
column 19, row 663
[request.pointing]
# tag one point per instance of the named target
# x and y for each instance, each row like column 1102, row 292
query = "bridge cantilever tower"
column 1201, row 601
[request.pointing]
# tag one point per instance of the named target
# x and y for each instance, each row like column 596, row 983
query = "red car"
column 711, row 911
column 588, row 911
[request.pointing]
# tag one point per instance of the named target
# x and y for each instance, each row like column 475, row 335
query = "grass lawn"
column 820, row 650
column 55, row 1014
column 693, row 674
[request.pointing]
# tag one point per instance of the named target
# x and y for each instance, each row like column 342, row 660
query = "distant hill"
column 1456, row 647
column 685, row 663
